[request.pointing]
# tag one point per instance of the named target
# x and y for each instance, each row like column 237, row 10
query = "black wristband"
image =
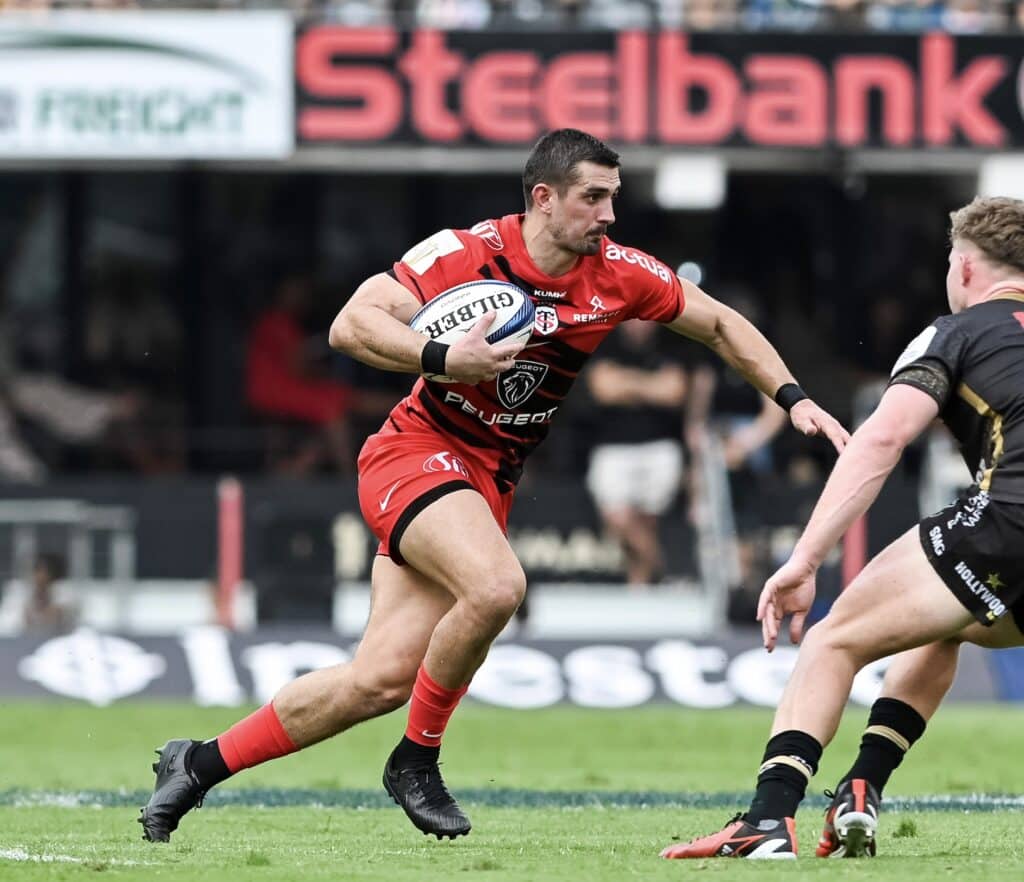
column 433, row 357
column 789, row 394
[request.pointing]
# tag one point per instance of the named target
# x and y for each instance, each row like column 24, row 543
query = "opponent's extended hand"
column 790, row 592
column 473, row 360
column 810, row 419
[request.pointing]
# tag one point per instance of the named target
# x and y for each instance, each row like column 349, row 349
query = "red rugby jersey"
column 504, row 419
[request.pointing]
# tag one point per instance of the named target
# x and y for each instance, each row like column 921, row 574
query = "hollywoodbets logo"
column 633, row 87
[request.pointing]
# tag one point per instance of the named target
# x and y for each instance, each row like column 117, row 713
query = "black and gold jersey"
column 972, row 364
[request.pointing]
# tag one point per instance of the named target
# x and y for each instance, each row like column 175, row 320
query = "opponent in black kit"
column 957, row 576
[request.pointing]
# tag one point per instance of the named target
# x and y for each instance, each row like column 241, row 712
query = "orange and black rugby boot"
column 766, row 840
column 851, row 821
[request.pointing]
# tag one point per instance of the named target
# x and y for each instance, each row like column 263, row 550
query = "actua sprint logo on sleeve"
column 147, row 85
column 628, row 255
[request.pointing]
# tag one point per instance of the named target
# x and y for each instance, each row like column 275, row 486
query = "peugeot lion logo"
column 516, row 385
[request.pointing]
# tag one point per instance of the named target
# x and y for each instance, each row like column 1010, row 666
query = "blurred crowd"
column 132, row 341
column 956, row 16
column 139, row 338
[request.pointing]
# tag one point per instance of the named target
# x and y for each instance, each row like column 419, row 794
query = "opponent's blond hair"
column 995, row 224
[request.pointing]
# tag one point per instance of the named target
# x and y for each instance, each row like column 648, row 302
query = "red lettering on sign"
column 855, row 78
column 577, row 93
column 789, row 104
column 634, row 95
column 429, row 66
column 948, row 101
column 499, row 96
column 374, row 87
column 360, row 86
column 679, row 73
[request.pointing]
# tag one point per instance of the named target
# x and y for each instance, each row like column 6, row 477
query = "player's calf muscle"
column 324, row 703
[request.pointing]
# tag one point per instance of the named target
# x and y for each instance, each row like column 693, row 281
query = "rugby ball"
column 453, row 312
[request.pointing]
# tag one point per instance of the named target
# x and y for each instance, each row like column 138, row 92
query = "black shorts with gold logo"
column 976, row 545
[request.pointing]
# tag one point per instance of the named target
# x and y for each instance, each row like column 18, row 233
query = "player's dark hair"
column 994, row 224
column 555, row 160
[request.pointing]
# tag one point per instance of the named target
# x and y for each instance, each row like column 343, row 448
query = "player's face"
column 581, row 217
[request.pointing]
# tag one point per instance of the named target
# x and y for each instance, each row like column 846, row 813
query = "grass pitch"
column 559, row 794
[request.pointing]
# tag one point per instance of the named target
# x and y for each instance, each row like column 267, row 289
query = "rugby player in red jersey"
column 436, row 483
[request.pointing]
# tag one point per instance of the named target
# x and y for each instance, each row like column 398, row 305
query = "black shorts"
column 976, row 545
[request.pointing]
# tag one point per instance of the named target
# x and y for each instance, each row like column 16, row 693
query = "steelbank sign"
column 146, row 85
column 775, row 90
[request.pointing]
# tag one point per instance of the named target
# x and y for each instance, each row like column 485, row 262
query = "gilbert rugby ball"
column 453, row 312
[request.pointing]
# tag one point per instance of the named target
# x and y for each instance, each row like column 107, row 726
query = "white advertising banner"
column 152, row 85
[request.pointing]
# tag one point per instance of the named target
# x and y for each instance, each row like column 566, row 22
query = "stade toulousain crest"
column 545, row 320
column 519, row 383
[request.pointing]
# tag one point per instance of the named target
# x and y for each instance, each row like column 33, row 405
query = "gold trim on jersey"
column 996, row 429
column 1010, row 295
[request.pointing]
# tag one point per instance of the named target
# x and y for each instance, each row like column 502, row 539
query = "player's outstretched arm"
column 875, row 448
column 373, row 327
column 747, row 350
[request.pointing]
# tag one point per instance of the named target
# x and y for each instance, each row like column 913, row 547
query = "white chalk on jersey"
column 421, row 257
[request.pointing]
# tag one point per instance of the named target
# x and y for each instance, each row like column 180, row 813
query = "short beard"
column 583, row 247
column 586, row 247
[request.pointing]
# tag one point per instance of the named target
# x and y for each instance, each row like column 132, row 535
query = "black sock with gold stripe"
column 893, row 727
column 790, row 759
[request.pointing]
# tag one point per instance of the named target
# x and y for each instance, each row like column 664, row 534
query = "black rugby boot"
column 421, row 793
column 176, row 792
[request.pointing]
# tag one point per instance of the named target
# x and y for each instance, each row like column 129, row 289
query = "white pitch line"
column 21, row 855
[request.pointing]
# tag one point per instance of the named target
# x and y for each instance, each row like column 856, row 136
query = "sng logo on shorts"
column 518, row 384
column 935, row 535
column 445, row 461
column 545, row 320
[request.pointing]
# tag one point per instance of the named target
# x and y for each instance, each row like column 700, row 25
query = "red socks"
column 431, row 707
column 254, row 740
column 261, row 737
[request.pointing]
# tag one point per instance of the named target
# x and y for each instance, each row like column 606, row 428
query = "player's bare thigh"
column 896, row 603
column 1004, row 634
column 405, row 607
column 457, row 543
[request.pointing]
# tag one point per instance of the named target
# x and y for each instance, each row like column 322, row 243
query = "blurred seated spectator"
column 133, row 341
column 58, row 411
column 66, row 413
column 615, row 14
column 453, row 15
column 636, row 464
column 725, row 410
column 43, row 612
column 699, row 15
column 889, row 327
column 284, row 384
column 905, row 15
column 351, row 13
column 973, row 16
column 40, row 605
